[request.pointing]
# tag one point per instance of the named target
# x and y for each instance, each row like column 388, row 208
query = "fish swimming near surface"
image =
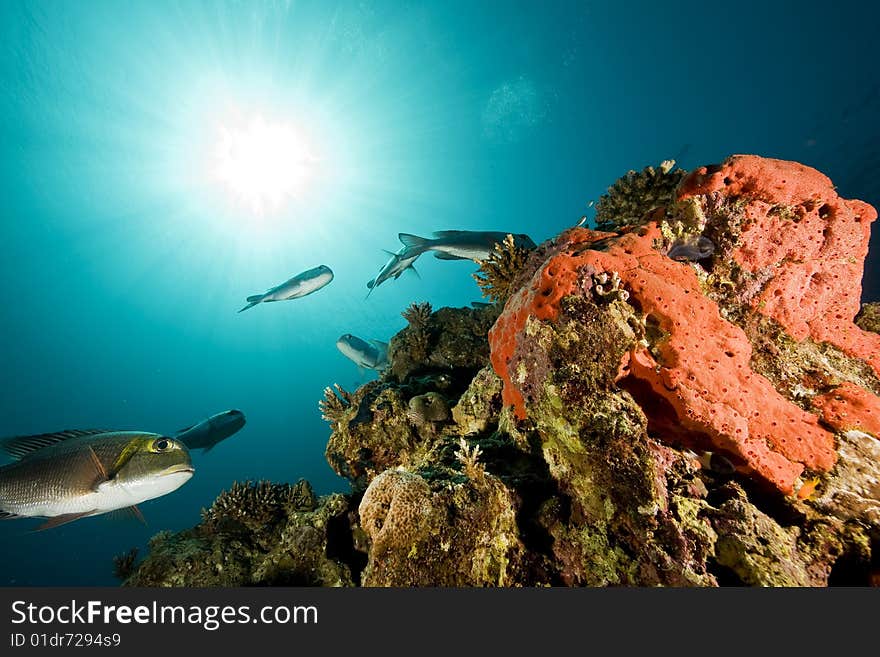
column 366, row 354
column 73, row 474
column 461, row 244
column 207, row 433
column 396, row 265
column 294, row 288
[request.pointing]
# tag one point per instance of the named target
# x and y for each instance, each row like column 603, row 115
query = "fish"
column 691, row 249
column 717, row 463
column 398, row 264
column 430, row 407
column 76, row 473
column 299, row 286
column 207, row 433
column 366, row 354
column 460, row 244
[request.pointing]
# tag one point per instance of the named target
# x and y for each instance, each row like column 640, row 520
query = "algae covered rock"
column 455, row 534
column 257, row 534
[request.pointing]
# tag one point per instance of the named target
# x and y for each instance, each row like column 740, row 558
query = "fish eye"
column 161, row 444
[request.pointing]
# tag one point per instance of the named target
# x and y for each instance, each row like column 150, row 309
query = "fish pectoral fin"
column 128, row 513
column 414, row 271
column 63, row 520
column 20, row 446
column 6, row 515
column 440, row 255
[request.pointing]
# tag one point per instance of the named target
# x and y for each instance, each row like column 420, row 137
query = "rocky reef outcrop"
column 682, row 398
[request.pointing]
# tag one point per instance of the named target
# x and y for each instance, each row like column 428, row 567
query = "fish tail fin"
column 413, row 241
column 251, row 304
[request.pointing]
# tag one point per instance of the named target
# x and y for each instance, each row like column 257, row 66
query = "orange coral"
column 540, row 299
column 812, row 242
column 695, row 384
column 850, row 407
column 703, row 373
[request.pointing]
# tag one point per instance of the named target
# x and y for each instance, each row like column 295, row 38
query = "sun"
column 263, row 164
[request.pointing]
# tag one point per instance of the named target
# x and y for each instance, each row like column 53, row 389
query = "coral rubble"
column 682, row 398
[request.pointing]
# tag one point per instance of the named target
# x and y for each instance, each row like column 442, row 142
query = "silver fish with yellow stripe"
column 73, row 474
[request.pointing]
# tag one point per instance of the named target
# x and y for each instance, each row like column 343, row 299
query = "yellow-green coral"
column 637, row 193
column 500, row 270
column 868, row 318
column 335, row 404
column 418, row 315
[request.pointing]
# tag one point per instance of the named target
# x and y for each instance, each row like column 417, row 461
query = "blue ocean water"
column 125, row 256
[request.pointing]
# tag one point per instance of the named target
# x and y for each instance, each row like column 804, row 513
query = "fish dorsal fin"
column 20, row 446
column 444, row 234
column 393, row 255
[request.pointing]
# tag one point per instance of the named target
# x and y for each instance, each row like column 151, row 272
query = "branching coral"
column 469, row 457
column 335, row 404
column 123, row 564
column 418, row 315
column 637, row 193
column 499, row 271
column 254, row 505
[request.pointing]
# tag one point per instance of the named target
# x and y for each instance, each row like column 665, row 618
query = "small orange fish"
column 807, row 491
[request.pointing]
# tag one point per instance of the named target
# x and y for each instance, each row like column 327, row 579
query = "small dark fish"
column 473, row 245
column 207, row 433
column 717, row 463
column 691, row 249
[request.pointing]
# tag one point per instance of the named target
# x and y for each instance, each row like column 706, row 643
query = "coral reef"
column 124, row 564
column 636, row 194
column 498, row 273
column 258, row 534
column 684, row 401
